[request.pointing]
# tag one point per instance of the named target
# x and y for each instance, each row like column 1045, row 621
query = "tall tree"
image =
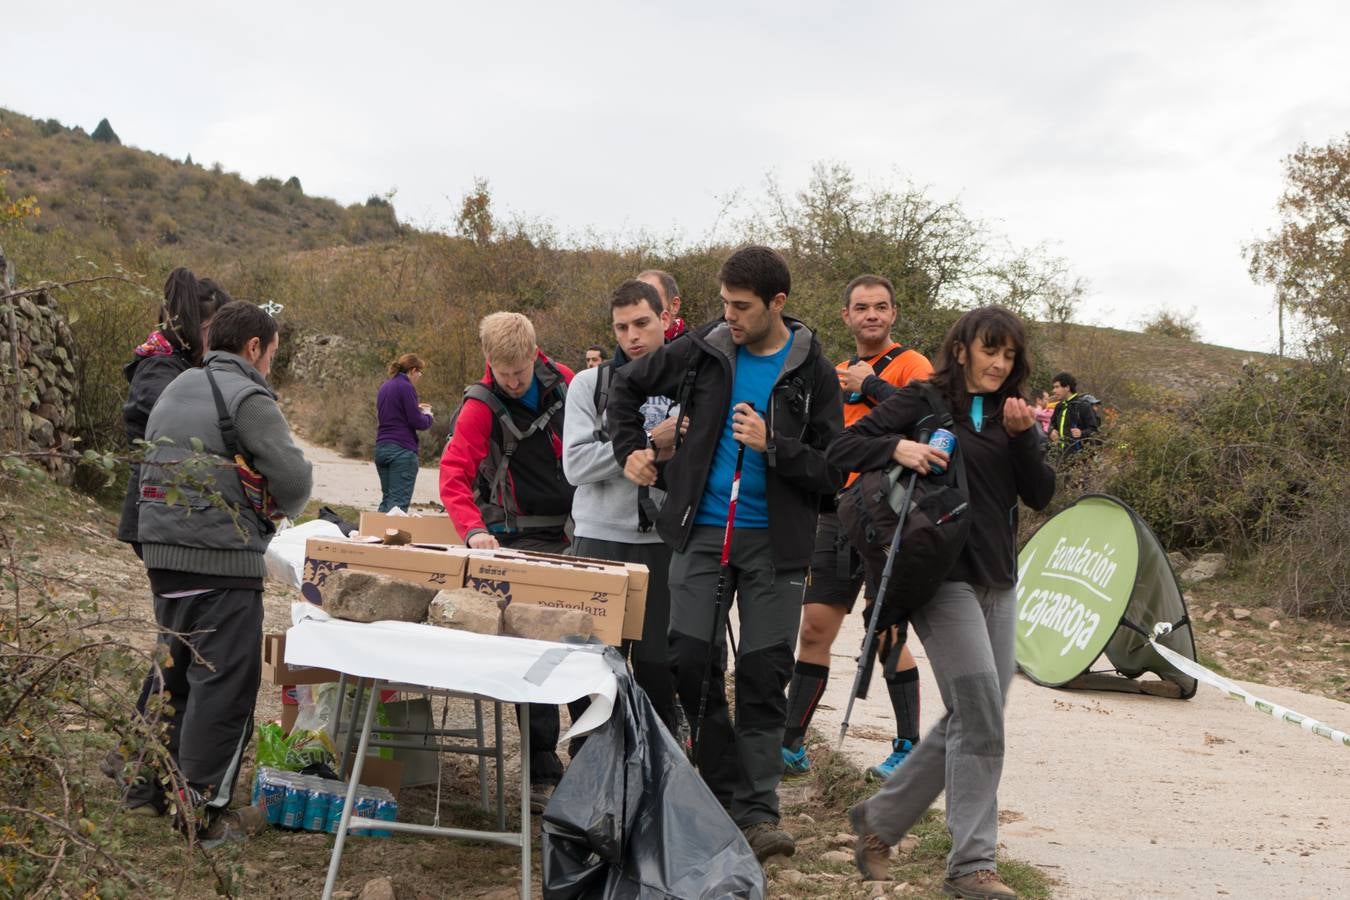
column 1307, row 258
column 104, row 132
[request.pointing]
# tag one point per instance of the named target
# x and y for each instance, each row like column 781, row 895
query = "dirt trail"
column 1121, row 795
column 1114, row 795
column 354, row 482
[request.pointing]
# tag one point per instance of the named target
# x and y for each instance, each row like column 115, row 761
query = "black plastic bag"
column 632, row 818
column 329, row 515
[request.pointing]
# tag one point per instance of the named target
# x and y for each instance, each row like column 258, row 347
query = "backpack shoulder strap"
column 936, row 404
column 223, row 420
column 686, row 392
column 887, row 358
column 603, row 375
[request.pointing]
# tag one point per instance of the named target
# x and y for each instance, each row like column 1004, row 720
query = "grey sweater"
column 213, row 530
column 605, row 504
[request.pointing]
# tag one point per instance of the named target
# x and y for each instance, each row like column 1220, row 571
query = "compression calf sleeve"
column 903, row 686
column 804, row 693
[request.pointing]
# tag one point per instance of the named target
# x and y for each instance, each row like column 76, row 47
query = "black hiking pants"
column 545, row 724
column 211, row 683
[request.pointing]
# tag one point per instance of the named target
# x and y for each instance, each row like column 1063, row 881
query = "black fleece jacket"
column 805, row 413
column 149, row 376
column 999, row 469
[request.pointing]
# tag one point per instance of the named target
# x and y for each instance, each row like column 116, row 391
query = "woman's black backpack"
column 935, row 527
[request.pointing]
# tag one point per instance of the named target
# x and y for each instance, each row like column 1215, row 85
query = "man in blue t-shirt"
column 754, row 378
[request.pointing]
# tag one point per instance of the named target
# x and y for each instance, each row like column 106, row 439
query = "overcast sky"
column 1141, row 141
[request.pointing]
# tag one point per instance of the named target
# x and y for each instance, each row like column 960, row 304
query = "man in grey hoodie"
column 203, row 538
column 613, row 517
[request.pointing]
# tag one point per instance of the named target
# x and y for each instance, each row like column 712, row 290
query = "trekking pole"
column 870, row 636
column 719, row 599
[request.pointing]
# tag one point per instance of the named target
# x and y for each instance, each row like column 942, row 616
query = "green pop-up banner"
column 1095, row 579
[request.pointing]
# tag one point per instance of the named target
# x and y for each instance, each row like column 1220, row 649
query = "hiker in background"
column 176, row 345
column 1074, row 420
column 967, row 628
column 756, row 379
column 613, row 517
column 204, row 555
column 400, row 416
column 595, row 355
column 665, row 285
column 502, row 479
column 1044, row 410
column 877, row 368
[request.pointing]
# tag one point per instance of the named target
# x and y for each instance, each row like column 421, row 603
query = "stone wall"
column 46, row 380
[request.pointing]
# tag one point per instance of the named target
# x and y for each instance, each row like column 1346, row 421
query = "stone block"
column 369, row 597
column 52, row 413
column 1205, row 567
column 545, row 623
column 41, row 432
column 466, row 610
column 379, row 889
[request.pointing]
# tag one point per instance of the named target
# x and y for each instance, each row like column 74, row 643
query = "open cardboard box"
column 613, row 593
column 275, row 670
column 423, row 529
column 434, row 566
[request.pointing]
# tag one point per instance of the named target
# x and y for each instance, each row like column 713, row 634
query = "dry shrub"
column 1312, row 560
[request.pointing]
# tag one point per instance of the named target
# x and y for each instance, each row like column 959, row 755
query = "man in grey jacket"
column 203, row 538
column 613, row 517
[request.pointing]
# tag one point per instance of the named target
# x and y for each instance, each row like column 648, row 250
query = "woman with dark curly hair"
column 967, row 628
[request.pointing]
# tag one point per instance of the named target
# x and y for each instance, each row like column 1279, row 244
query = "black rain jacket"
column 805, row 413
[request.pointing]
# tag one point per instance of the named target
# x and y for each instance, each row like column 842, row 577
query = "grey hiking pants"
column 740, row 762
column 967, row 632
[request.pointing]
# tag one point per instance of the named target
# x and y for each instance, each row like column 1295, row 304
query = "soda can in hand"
column 945, row 441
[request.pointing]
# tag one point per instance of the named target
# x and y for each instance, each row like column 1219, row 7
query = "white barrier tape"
column 1200, row 673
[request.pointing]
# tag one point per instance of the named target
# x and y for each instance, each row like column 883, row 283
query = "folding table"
column 414, row 656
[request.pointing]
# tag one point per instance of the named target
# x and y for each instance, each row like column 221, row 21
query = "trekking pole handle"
column 882, row 586
column 735, row 496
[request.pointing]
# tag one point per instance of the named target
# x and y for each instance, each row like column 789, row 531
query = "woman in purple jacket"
column 401, row 417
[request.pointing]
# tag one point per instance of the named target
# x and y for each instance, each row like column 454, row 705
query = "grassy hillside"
column 1130, row 369
column 114, row 195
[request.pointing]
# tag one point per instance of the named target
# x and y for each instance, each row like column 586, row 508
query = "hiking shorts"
column 836, row 568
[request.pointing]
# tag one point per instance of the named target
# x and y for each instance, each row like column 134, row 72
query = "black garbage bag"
column 328, row 514
column 632, row 818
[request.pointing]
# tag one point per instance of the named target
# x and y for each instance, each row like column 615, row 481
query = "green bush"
column 1256, row 470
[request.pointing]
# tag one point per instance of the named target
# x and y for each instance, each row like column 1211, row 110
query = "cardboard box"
column 424, row 529
column 378, row 772
column 275, row 670
column 418, row 767
column 567, row 582
column 434, row 566
column 635, row 604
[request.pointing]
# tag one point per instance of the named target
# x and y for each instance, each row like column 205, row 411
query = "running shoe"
column 795, row 761
column 900, row 749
